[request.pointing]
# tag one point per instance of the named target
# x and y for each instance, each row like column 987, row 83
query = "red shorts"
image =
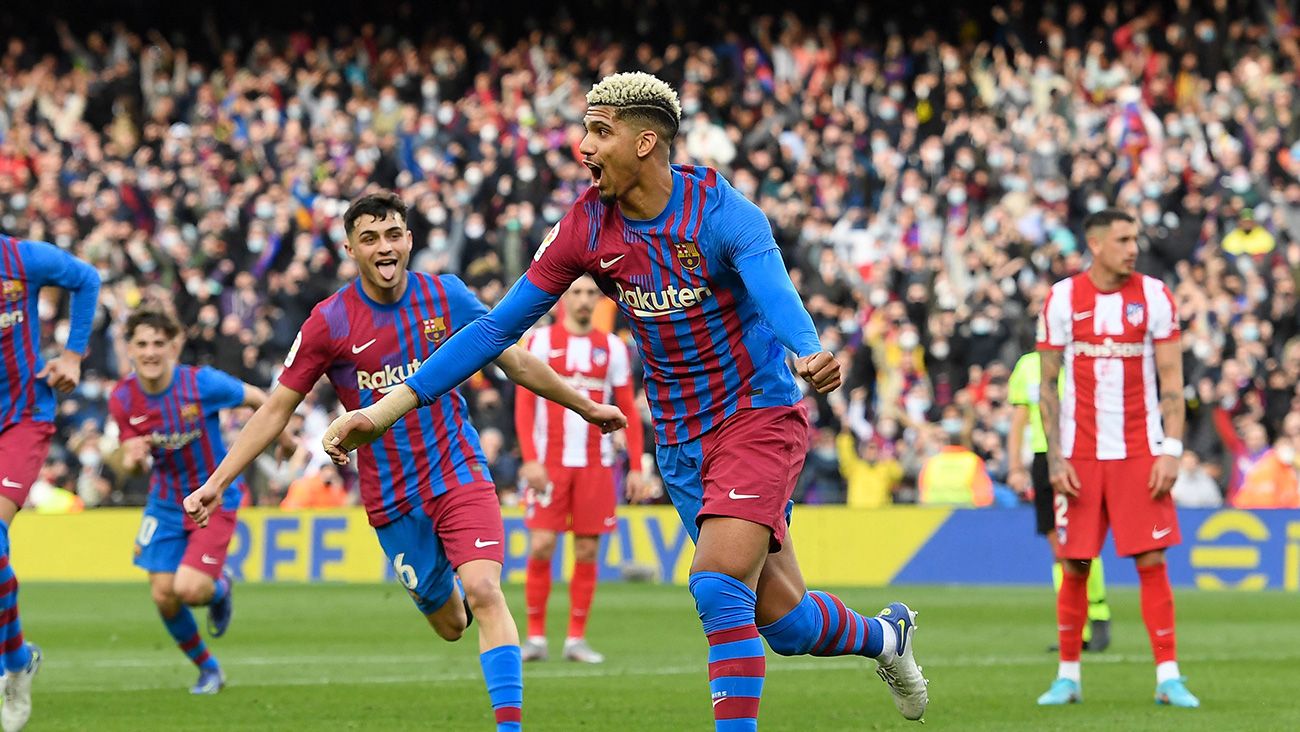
column 745, row 468
column 467, row 519
column 206, row 548
column 1114, row 493
column 23, row 447
column 580, row 500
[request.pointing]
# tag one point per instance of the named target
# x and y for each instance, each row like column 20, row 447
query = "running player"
column 27, row 421
column 1111, row 456
column 567, row 468
column 695, row 270
column 170, row 421
column 426, row 487
column 1022, row 393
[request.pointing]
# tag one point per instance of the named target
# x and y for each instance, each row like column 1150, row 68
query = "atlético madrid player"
column 567, row 469
column 1113, row 439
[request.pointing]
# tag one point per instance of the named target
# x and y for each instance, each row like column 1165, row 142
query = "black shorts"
column 1043, row 494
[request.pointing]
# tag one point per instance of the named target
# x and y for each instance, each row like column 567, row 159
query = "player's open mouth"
column 387, row 268
column 594, row 169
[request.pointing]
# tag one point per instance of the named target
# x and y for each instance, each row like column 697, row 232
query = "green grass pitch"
column 340, row 657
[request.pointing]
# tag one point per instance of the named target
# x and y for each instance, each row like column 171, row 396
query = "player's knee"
column 449, row 627
column 787, row 644
column 542, row 546
column 165, row 600
column 585, row 548
column 483, row 592
column 193, row 593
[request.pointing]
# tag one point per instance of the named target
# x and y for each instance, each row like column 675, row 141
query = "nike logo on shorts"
column 479, row 543
column 208, row 559
column 610, row 521
column 10, row 484
column 733, row 495
column 1161, row 533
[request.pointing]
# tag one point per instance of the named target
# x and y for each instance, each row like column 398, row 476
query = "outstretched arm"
column 532, row 373
column 460, row 357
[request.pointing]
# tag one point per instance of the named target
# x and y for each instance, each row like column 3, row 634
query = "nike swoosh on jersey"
column 607, row 263
column 138, row 419
column 363, row 346
column 1083, row 316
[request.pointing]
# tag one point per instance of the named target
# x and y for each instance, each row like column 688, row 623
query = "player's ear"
column 645, row 143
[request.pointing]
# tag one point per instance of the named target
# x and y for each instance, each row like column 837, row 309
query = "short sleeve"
column 117, row 408
column 464, row 305
column 1054, row 322
column 558, row 261
column 309, row 356
column 741, row 227
column 1162, row 320
column 620, row 370
column 218, row 389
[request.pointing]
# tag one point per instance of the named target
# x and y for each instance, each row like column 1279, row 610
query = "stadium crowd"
column 925, row 188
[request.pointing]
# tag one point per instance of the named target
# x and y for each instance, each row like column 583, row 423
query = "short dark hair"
column 649, row 116
column 379, row 205
column 1105, row 217
column 152, row 318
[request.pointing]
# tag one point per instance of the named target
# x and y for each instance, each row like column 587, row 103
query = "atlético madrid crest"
column 13, row 290
column 688, row 254
column 435, row 329
column 1134, row 312
column 190, row 412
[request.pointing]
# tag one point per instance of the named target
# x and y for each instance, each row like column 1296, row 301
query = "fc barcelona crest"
column 435, row 329
column 13, row 290
column 688, row 254
column 1134, row 313
column 190, row 412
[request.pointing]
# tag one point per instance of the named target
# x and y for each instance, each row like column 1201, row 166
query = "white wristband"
column 1171, row 447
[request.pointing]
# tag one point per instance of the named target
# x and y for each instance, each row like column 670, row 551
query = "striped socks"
column 822, row 625
column 736, row 663
column 186, row 633
column 17, row 655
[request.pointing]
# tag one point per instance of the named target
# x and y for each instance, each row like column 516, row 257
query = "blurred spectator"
column 1272, row 481
column 955, row 477
column 322, row 489
column 1248, row 238
column 1196, row 486
column 870, row 476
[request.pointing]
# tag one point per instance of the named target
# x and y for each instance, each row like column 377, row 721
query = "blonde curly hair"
column 639, row 93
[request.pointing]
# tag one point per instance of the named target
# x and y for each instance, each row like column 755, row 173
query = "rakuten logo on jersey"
column 391, row 376
column 648, row 304
column 11, row 319
column 1110, row 349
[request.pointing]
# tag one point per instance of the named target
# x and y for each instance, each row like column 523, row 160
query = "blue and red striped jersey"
column 183, row 424
column 707, row 350
column 26, row 267
column 367, row 348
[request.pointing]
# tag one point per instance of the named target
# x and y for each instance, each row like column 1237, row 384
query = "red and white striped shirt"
column 596, row 364
column 1109, row 409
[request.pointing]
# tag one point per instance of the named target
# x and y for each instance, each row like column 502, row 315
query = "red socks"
column 537, row 589
column 1072, row 613
column 581, row 589
column 1158, row 610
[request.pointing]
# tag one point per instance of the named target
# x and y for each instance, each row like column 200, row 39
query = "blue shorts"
column 426, row 546
column 744, row 468
column 167, row 540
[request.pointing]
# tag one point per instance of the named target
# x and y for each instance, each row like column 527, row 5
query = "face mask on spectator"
column 293, row 111
column 1152, row 189
column 981, row 326
column 427, row 130
column 878, row 298
column 446, row 114
column 1286, row 454
column 63, row 240
column 1202, row 350
column 888, row 430
column 473, row 176
column 940, row 350
column 879, row 144
column 475, row 229
column 1150, row 218
column 387, row 104
column 89, row 458
column 1096, row 203
column 957, row 196
column 951, row 425
column 908, row 340
column 888, row 112
column 551, row 214
column 910, row 195
column 528, row 173
column 997, row 159
column 264, row 210
column 1015, row 183
column 256, row 244
column 1250, row 333
column 92, row 390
